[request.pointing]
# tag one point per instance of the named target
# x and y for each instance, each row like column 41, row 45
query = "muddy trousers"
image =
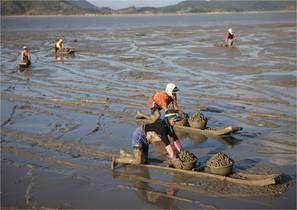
column 140, row 156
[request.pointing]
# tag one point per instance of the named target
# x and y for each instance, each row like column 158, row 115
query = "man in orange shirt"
column 161, row 100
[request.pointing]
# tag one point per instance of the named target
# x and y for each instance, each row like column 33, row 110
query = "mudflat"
column 64, row 117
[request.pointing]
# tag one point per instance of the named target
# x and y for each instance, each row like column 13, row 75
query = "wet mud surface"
column 64, row 117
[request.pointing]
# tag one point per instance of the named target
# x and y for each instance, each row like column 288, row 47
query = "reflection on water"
column 148, row 194
column 169, row 190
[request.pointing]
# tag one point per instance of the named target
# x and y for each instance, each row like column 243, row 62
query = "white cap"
column 171, row 88
column 230, row 31
column 25, row 47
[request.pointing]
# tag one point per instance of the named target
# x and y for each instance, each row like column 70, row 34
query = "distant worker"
column 59, row 44
column 149, row 133
column 161, row 100
column 25, row 56
column 229, row 38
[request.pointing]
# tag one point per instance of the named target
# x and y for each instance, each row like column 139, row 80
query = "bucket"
column 197, row 124
column 223, row 171
column 189, row 165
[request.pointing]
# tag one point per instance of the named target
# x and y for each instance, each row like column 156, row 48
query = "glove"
column 170, row 152
column 178, row 145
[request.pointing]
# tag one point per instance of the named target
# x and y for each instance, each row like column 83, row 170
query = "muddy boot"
column 127, row 160
column 124, row 153
column 140, row 115
column 146, row 157
column 138, row 154
column 141, row 154
column 155, row 116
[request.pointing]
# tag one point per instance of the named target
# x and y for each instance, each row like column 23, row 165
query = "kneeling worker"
column 146, row 134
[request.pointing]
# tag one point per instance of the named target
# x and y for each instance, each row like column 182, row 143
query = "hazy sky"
column 117, row 4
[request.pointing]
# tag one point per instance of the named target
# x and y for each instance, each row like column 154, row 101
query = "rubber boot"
column 170, row 152
column 124, row 153
column 145, row 161
column 140, row 115
column 139, row 155
column 152, row 118
column 126, row 160
column 178, row 145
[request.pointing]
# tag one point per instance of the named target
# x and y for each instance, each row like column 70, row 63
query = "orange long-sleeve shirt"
column 162, row 99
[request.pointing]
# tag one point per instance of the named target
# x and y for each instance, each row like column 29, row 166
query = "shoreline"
column 151, row 14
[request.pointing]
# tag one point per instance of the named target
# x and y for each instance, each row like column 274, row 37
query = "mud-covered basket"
column 220, row 164
column 189, row 165
column 223, row 170
column 184, row 119
column 197, row 120
column 188, row 160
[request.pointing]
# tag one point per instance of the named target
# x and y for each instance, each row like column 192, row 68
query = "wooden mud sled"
column 236, row 178
column 206, row 132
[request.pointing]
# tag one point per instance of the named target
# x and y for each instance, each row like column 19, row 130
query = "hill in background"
column 52, row 7
column 82, row 7
column 194, row 6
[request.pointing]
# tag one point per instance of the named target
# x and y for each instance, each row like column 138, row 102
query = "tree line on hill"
column 83, row 7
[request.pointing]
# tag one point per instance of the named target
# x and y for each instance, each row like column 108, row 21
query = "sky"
column 118, row 4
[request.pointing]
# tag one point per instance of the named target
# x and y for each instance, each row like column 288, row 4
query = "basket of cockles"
column 220, row 164
column 185, row 161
